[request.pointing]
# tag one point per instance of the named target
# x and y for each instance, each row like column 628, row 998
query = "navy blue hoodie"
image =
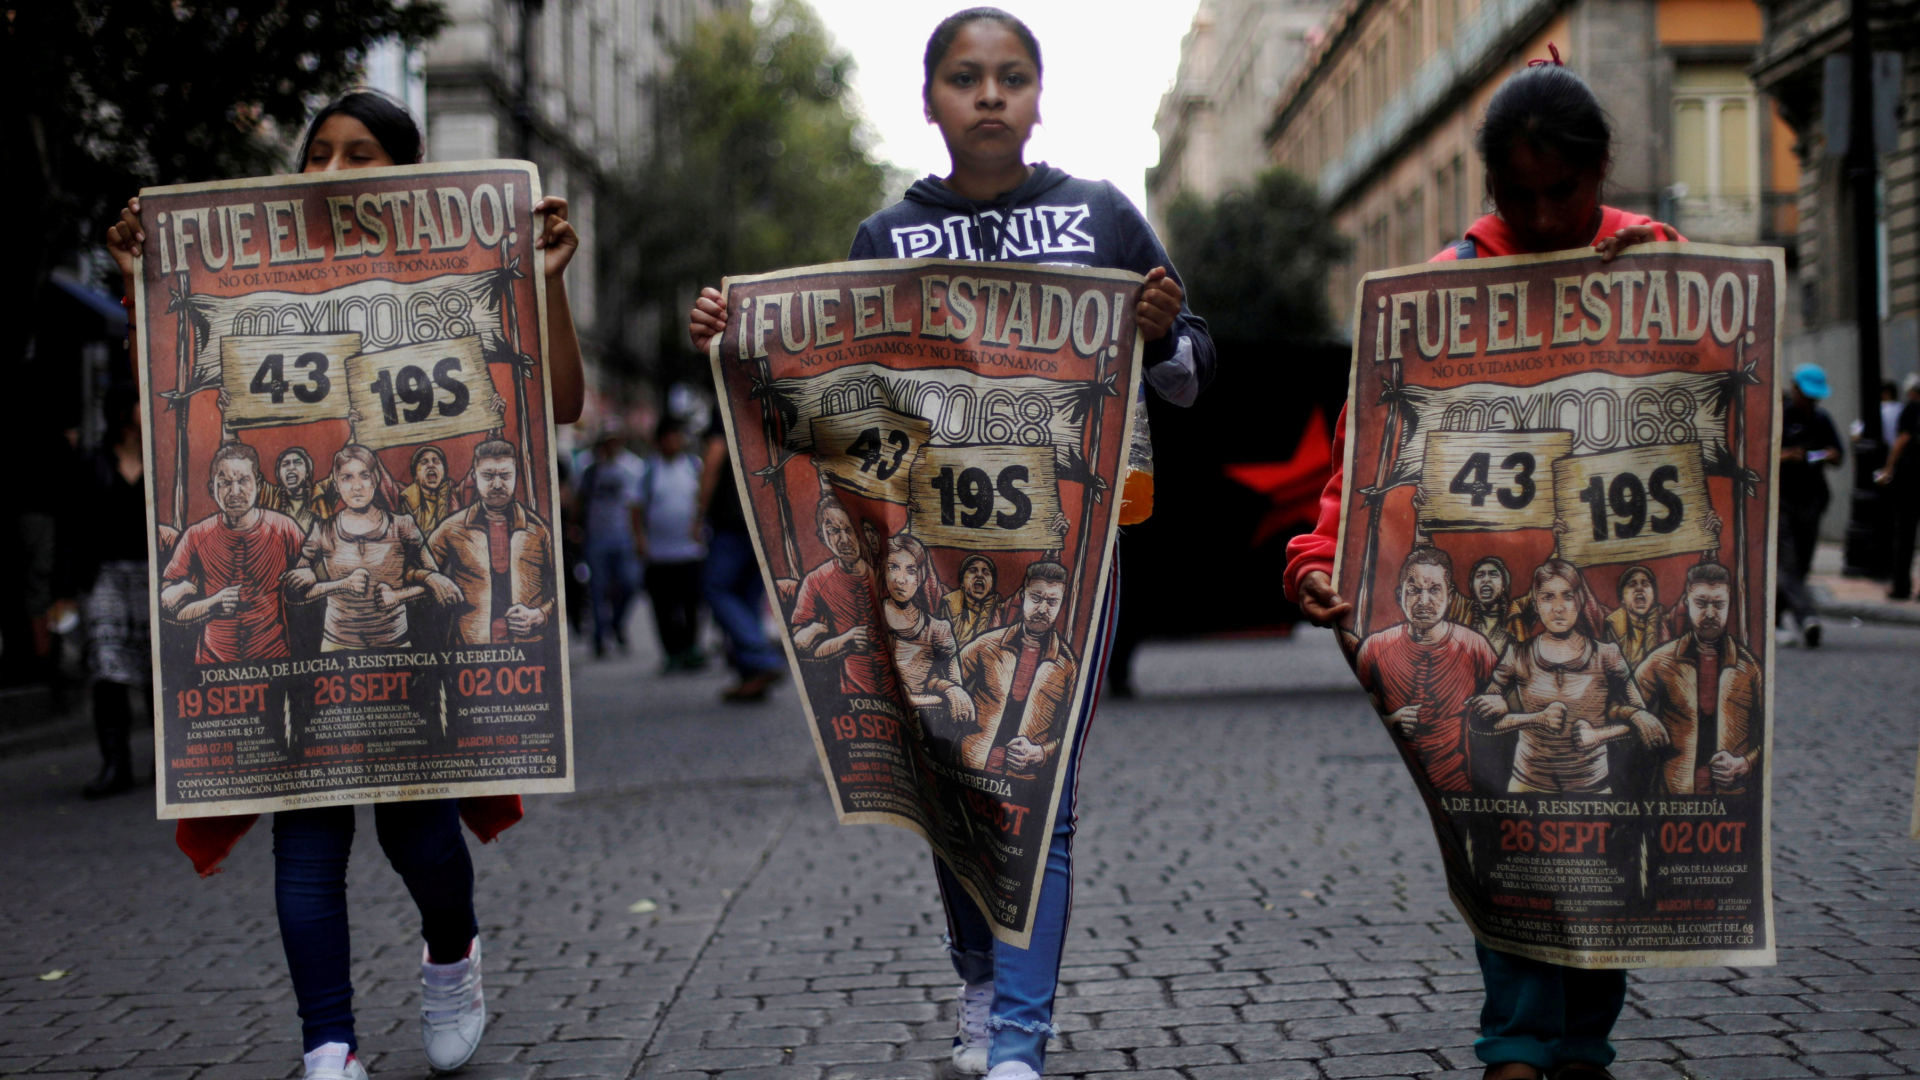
column 1051, row 218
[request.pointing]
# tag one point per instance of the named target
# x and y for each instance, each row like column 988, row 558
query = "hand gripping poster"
column 931, row 453
column 1558, row 541
column 351, row 489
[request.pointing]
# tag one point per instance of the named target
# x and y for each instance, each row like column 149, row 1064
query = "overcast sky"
column 1107, row 63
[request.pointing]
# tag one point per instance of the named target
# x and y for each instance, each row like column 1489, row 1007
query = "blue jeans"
column 422, row 840
column 1024, row 980
column 1544, row 1014
column 614, row 576
column 737, row 598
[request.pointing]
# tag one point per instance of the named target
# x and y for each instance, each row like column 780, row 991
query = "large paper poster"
column 351, row 484
column 1558, row 539
column 931, row 453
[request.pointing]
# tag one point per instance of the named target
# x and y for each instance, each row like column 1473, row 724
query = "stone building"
column 1212, row 122
column 1801, row 36
column 591, row 70
column 1382, row 113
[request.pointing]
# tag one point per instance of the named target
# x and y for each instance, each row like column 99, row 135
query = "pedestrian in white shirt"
column 670, row 538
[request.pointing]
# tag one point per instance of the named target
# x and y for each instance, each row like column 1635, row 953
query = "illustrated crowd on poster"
column 291, row 566
column 1563, row 679
column 989, row 676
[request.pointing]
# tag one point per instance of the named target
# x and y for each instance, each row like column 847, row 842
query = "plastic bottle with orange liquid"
column 1136, row 491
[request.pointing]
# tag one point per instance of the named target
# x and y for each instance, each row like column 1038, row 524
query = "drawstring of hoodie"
column 987, row 232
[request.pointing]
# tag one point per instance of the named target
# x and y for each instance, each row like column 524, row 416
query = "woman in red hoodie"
column 1546, row 145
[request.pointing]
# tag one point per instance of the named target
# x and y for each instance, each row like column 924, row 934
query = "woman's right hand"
column 1322, row 605
column 707, row 320
column 124, row 238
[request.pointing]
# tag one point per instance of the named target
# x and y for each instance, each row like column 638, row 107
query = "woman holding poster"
column 982, row 88
column 1545, row 141
column 376, row 561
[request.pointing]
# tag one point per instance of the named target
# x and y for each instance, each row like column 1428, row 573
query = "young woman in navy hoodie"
column 1546, row 144
column 982, row 89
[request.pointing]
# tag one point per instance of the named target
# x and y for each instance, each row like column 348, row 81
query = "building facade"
column 1212, row 122
column 1792, row 68
column 1382, row 112
column 590, row 70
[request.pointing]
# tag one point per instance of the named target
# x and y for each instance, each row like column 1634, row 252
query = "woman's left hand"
column 1160, row 300
column 1609, row 246
column 558, row 238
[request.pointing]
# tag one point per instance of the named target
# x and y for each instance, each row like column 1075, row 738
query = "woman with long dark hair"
column 367, row 561
column 1575, row 691
column 421, row 839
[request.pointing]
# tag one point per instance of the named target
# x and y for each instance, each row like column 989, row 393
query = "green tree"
column 1255, row 261
column 759, row 166
column 109, row 96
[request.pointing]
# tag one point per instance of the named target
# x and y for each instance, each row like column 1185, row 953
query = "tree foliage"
column 758, row 166
column 1255, row 261
column 112, row 95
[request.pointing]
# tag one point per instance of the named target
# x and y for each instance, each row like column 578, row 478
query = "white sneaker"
column 1013, row 1070
column 972, row 1041
column 453, row 1011
column 334, row 1061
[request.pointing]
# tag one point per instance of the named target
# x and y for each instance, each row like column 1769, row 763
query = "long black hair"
column 1553, row 111
column 387, row 119
column 950, row 27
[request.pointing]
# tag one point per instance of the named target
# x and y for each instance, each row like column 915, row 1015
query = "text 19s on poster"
column 932, row 453
column 351, row 479
column 1559, row 544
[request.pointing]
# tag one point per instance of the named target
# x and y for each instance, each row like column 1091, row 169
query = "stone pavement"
column 1258, row 897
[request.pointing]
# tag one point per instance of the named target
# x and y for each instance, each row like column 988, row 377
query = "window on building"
column 1459, row 204
column 1715, row 131
column 1411, row 234
column 1412, row 48
column 1381, row 70
column 1377, row 244
column 1349, row 111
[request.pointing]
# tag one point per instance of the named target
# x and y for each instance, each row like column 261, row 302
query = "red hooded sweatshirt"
column 1491, row 238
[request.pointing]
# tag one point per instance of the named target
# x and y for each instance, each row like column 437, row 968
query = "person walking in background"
column 1809, row 446
column 730, row 579
column 1901, row 478
column 609, row 502
column 572, row 534
column 1546, row 143
column 105, row 558
column 667, row 535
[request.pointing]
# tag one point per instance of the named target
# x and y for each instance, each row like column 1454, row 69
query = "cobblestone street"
column 1258, row 898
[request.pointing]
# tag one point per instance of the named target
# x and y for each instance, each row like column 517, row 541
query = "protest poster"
column 351, row 490
column 1558, row 538
column 931, row 454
